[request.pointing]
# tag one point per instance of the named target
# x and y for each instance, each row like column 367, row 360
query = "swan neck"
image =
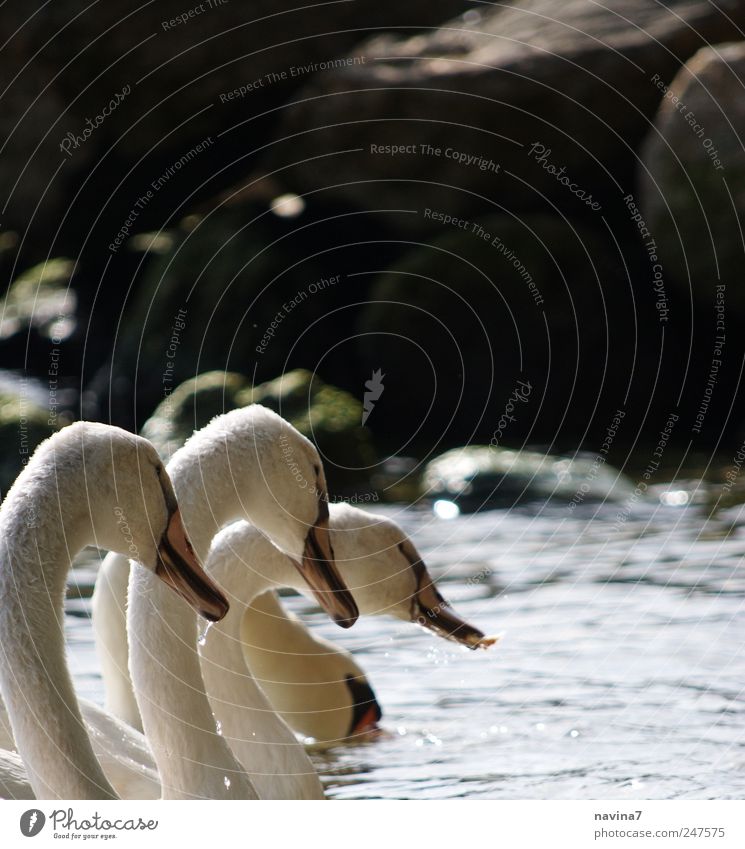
column 193, row 760
column 39, row 534
column 203, row 483
column 259, row 737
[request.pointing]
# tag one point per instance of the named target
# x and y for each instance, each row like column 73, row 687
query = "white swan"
column 319, row 688
column 374, row 556
column 88, row 484
column 316, row 686
column 247, row 463
column 255, row 464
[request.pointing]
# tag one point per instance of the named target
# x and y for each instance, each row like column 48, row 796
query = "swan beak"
column 366, row 711
column 179, row 568
column 432, row 611
column 319, row 572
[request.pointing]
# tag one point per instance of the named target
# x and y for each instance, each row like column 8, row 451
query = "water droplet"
column 203, row 636
column 574, row 733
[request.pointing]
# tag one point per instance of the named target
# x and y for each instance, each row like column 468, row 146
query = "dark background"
column 446, row 317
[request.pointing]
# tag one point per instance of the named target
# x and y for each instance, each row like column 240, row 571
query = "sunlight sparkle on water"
column 445, row 509
column 674, row 498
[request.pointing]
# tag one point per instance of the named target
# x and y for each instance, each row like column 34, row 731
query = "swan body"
column 88, row 484
column 231, row 468
column 375, row 558
column 251, row 464
column 373, row 553
column 317, row 687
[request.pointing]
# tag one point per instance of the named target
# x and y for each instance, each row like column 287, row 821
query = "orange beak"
column 429, row 608
column 319, row 572
column 179, row 568
column 432, row 611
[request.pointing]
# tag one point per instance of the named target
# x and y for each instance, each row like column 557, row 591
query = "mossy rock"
column 23, row 425
column 40, row 298
column 479, row 476
column 328, row 416
column 190, row 407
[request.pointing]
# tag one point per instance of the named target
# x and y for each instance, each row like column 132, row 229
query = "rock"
column 29, row 183
column 328, row 416
column 40, row 299
column 575, row 79
column 190, row 406
column 459, row 323
column 176, row 75
column 24, row 423
column 237, row 287
column 479, row 476
column 38, row 318
column 693, row 179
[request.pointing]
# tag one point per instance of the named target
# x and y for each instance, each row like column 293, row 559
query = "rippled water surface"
column 620, row 673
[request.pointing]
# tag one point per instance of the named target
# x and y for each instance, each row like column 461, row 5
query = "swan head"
column 386, row 575
column 131, row 504
column 298, row 523
column 278, row 484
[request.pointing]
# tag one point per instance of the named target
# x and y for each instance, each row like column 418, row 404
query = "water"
column 620, row 673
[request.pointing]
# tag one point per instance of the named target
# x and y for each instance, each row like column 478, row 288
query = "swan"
column 318, row 688
column 249, row 462
column 87, row 484
column 390, row 578
column 386, row 575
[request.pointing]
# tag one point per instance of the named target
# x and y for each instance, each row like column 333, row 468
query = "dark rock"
column 170, row 65
column 574, row 77
column 479, row 476
column 459, row 324
column 237, row 287
column 693, row 179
